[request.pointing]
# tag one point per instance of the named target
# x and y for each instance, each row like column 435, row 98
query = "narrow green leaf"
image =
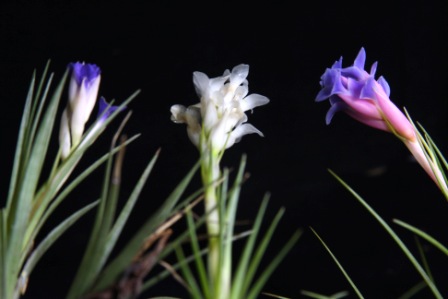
column 18, row 161
column 156, row 278
column 3, row 268
column 275, row 296
column 54, row 235
column 192, row 285
column 394, row 236
column 231, row 210
column 130, row 203
column 423, row 235
column 256, row 258
column 46, row 209
column 105, row 239
column 414, row 290
column 17, row 224
column 434, row 147
column 241, row 281
column 42, row 81
column 350, row 281
column 320, row 296
column 36, row 117
column 94, row 255
column 200, row 265
column 267, row 272
column 109, row 275
column 172, row 246
column 423, row 258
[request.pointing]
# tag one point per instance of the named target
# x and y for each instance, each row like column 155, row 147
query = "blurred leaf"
column 123, row 259
column 423, row 235
column 48, row 241
column 320, row 296
column 353, row 285
column 21, row 204
column 394, row 236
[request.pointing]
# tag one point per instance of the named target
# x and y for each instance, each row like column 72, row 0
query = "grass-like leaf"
column 48, row 241
column 199, row 262
column 117, row 228
column 123, row 259
column 18, row 161
column 267, row 272
column 315, row 295
column 191, row 283
column 395, row 237
column 99, row 247
column 21, row 204
column 40, row 220
column 173, row 246
column 423, row 235
column 350, row 281
column 241, row 281
column 3, row 279
column 414, row 290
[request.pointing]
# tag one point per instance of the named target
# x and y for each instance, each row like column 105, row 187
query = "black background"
column 157, row 46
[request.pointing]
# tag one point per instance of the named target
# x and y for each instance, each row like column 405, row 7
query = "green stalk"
column 219, row 277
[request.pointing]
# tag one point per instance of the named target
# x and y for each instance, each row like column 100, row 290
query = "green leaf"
column 350, row 281
column 49, row 240
column 192, row 285
column 96, row 252
column 43, row 213
column 18, row 161
column 36, row 115
column 267, row 272
column 414, row 290
column 123, row 259
column 125, row 212
column 20, row 212
column 3, row 280
column 395, row 237
column 242, row 281
column 320, row 296
column 199, row 262
column 173, row 245
column 423, row 235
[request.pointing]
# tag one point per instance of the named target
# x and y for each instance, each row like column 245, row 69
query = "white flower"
column 220, row 115
column 82, row 94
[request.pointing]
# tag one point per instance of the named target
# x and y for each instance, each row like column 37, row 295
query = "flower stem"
column 211, row 173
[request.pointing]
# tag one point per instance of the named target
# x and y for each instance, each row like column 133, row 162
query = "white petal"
column 241, row 91
column 194, row 136
column 64, row 135
column 240, row 131
column 178, row 113
column 210, row 115
column 201, row 83
column 239, row 75
column 252, row 101
column 216, row 84
column 193, row 117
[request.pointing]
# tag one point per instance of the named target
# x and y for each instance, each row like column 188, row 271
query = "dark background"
column 157, row 46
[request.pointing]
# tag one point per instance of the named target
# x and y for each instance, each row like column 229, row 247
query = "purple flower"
column 357, row 93
column 83, row 93
column 82, row 96
column 105, row 110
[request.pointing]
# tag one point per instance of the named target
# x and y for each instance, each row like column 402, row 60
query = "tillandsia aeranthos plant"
column 366, row 99
column 213, row 125
column 30, row 203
